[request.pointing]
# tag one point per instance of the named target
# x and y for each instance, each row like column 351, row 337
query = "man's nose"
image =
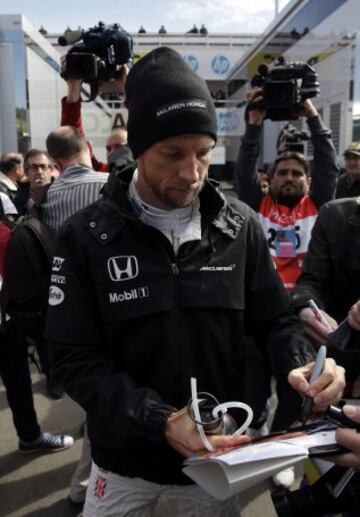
column 189, row 170
column 289, row 176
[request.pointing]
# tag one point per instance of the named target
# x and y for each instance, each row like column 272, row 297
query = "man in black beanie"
column 165, row 98
column 160, row 281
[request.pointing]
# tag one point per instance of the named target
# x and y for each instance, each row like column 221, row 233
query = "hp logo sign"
column 220, row 65
column 192, row 62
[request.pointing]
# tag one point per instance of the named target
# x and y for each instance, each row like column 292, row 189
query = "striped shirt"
column 77, row 187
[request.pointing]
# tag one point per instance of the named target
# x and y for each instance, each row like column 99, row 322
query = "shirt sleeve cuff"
column 155, row 418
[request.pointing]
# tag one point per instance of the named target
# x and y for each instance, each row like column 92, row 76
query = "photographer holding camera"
column 71, row 116
column 98, row 56
column 288, row 213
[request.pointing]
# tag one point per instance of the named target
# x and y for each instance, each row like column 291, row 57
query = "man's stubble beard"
column 290, row 199
column 195, row 195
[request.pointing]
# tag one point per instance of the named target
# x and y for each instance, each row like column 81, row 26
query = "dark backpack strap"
column 2, row 213
column 43, row 234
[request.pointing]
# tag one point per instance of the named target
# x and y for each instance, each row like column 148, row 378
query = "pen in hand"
column 315, row 374
column 318, row 315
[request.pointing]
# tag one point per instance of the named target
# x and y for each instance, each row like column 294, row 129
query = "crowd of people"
column 158, row 277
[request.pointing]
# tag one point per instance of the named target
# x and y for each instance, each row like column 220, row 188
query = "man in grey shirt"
column 78, row 185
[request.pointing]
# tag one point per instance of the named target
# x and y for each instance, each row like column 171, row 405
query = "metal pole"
column 276, row 8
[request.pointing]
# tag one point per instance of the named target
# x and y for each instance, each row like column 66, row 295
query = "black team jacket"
column 130, row 322
column 331, row 272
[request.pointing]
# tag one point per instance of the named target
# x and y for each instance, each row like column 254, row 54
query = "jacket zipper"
column 177, row 331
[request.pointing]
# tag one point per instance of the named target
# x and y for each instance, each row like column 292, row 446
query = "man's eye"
column 172, row 155
column 204, row 154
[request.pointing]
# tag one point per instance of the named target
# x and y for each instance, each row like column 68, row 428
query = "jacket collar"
column 8, row 182
column 214, row 207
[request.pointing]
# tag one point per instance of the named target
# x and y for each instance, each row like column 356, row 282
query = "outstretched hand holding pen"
column 317, row 323
column 328, row 387
column 319, row 315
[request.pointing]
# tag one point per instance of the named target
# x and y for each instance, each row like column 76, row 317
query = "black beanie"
column 166, row 98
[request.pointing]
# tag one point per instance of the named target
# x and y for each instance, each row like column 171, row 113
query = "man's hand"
column 116, row 86
column 120, row 79
column 307, row 109
column 349, row 439
column 182, row 435
column 73, row 85
column 314, row 327
column 326, row 390
column 255, row 116
column 354, row 316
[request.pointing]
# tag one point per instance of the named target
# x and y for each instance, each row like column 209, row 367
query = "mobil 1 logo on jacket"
column 133, row 285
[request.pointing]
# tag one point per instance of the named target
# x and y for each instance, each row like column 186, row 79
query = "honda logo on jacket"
column 124, row 267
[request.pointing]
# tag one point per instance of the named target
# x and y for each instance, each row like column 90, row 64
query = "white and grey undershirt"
column 178, row 225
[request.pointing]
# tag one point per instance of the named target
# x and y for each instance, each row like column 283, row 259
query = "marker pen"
column 318, row 315
column 315, row 374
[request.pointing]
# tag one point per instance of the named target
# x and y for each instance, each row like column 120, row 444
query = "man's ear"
column 58, row 163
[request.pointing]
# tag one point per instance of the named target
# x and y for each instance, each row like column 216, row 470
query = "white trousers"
column 111, row 495
column 80, row 478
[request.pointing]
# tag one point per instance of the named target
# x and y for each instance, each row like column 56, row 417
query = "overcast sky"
column 176, row 15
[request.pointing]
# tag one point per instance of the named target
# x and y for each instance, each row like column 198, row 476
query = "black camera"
column 97, row 53
column 290, row 139
column 285, row 87
column 319, row 499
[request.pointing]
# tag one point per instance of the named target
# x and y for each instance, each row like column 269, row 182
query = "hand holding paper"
column 183, row 436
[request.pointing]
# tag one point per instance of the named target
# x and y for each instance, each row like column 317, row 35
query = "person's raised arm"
column 71, row 104
column 325, row 169
column 247, row 183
